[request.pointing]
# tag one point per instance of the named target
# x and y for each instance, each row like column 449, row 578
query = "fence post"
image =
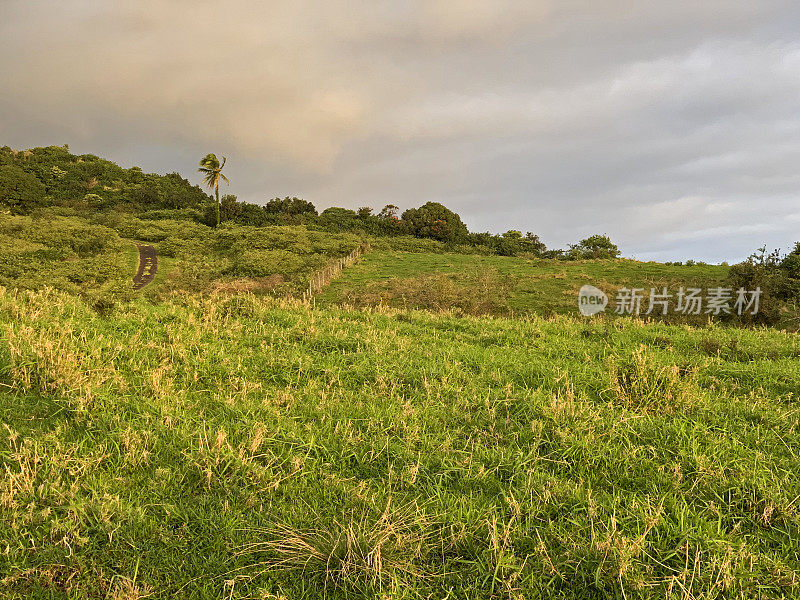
column 326, row 274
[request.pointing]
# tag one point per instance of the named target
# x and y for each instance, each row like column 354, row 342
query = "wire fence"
column 322, row 277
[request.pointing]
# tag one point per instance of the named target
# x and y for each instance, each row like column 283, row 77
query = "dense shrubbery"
column 434, row 220
column 777, row 277
column 19, row 191
column 207, row 257
column 263, row 263
column 53, row 176
column 290, row 206
column 61, row 252
column 48, row 249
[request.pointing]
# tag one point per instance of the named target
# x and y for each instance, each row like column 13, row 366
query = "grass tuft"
column 640, row 383
column 362, row 553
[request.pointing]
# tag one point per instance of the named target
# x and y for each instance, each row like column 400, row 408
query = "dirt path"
column 148, row 265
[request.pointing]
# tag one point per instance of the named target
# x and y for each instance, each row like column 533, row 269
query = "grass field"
column 498, row 284
column 244, row 447
column 94, row 255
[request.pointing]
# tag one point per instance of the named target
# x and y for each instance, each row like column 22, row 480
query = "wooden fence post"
column 325, row 275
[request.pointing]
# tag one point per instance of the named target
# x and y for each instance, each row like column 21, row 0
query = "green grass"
column 510, row 285
column 93, row 254
column 243, row 447
column 67, row 253
column 95, row 257
column 177, row 443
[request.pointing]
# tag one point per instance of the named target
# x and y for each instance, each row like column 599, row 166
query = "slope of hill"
column 237, row 447
column 500, row 285
column 94, row 255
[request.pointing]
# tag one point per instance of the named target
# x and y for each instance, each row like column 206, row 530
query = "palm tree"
column 212, row 173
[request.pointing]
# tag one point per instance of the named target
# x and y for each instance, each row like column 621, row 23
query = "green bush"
column 776, row 279
column 261, row 263
column 19, row 191
column 595, row 246
column 67, row 253
column 434, row 220
column 183, row 248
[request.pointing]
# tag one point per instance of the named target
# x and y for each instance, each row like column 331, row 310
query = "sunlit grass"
column 240, row 447
column 521, row 286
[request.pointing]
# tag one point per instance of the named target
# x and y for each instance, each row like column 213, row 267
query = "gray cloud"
column 671, row 126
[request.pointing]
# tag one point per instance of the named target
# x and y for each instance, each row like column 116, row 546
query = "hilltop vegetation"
column 66, row 253
column 96, row 256
column 53, row 177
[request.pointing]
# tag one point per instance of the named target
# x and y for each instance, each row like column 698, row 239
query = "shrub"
column 791, row 266
column 434, row 220
column 510, row 243
column 290, row 206
column 596, row 246
column 261, row 263
column 767, row 272
column 20, row 191
column 183, row 248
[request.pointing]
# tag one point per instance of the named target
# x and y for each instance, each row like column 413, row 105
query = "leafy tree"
column 252, row 214
column 531, row 243
column 145, row 195
column 434, row 220
column 389, row 212
column 596, row 246
column 338, row 219
column 364, row 212
column 509, row 243
column 212, row 173
column 290, row 206
column 229, row 208
column 177, row 192
column 19, row 190
column 791, row 264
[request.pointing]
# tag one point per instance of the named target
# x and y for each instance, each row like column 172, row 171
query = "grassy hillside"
column 70, row 254
column 93, row 254
column 96, row 256
column 500, row 285
column 237, row 447
column 212, row 437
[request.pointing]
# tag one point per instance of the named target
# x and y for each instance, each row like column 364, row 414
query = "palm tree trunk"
column 216, row 191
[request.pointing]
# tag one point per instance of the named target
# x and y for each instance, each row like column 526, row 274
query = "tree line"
column 53, row 176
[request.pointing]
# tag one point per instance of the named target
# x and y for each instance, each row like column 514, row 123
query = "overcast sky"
column 672, row 126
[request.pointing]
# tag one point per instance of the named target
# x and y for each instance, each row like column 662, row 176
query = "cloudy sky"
column 672, row 126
